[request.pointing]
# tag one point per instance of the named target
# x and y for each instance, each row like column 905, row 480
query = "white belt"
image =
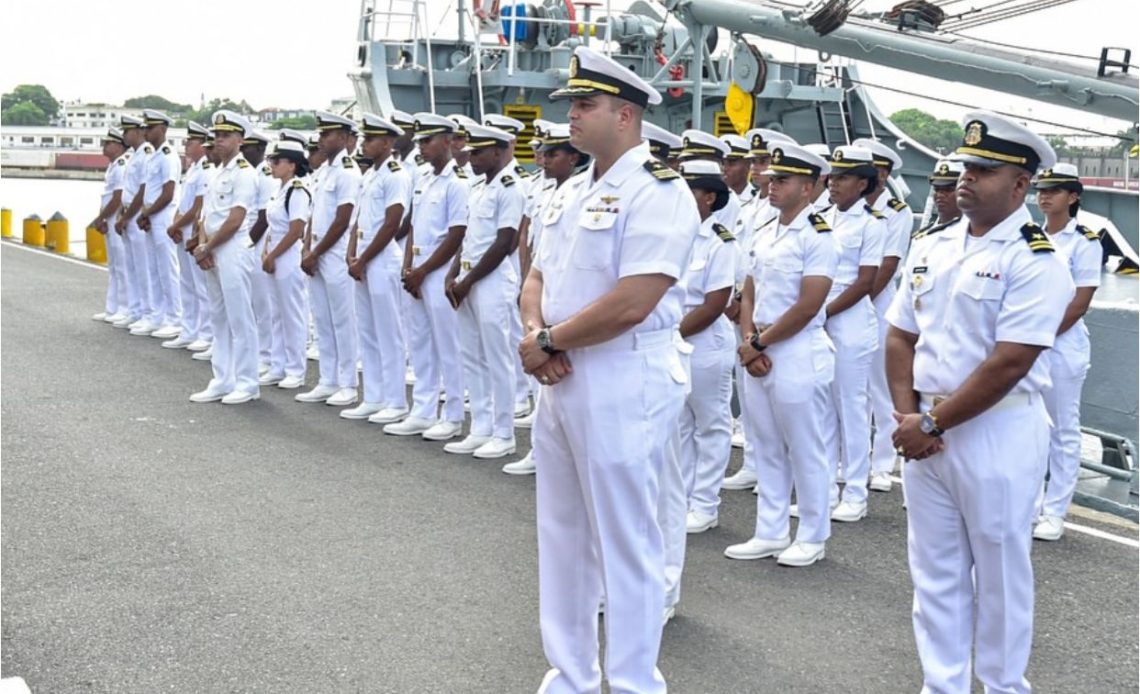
column 930, row 400
column 634, row 342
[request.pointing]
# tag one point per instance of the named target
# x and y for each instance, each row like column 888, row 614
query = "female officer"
column 852, row 325
column 287, row 213
column 1059, row 197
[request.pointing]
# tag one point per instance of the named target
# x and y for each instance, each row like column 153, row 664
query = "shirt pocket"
column 983, row 289
column 593, row 247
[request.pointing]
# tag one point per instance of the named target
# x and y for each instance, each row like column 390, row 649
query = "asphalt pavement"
column 150, row 544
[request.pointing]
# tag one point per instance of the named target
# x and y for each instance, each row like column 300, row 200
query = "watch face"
column 926, row 424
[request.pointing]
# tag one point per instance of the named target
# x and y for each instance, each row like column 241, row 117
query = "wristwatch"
column 929, row 425
column 544, row 341
column 756, row 344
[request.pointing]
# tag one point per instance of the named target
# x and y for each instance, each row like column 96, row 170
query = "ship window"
column 86, row 140
column 47, row 140
column 67, row 140
column 28, row 140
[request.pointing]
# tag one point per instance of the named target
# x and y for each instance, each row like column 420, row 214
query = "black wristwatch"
column 544, row 341
column 929, row 425
column 757, row 345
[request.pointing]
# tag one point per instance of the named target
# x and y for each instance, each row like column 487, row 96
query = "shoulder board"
column 264, row 168
column 660, row 171
column 298, row 183
column 1088, row 233
column 896, row 204
column 419, row 160
column 242, row 164
column 207, row 165
column 460, row 172
column 932, row 229
column 874, row 213
column 147, row 148
column 507, row 181
column 394, row 165
column 819, row 223
column 347, row 162
column 521, row 172
column 723, row 232
column 166, row 149
column 1036, row 238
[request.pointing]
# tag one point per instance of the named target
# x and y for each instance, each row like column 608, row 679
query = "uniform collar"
column 801, row 221
column 1070, row 228
column 706, row 228
column 233, row 163
column 623, row 168
column 1008, row 229
column 505, row 171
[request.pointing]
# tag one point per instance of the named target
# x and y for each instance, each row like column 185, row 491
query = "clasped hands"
column 910, row 441
column 755, row 362
column 549, row 369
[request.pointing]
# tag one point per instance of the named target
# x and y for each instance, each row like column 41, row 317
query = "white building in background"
column 96, row 116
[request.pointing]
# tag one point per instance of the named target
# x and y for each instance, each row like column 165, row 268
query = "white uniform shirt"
column 115, row 178
column 267, row 185
column 712, row 266
column 338, row 183
column 234, row 185
column 193, row 184
column 963, row 299
column 728, row 214
column 900, row 225
column 627, row 223
column 789, row 253
column 384, row 186
column 439, row 202
column 534, row 209
column 1082, row 254
column 163, row 166
column 493, row 205
column 859, row 240
column 279, row 215
column 136, row 172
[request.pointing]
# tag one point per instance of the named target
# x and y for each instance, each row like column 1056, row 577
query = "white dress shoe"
column 757, row 548
column 443, row 431
column 670, row 613
column 522, row 409
column 794, row 509
column 263, row 367
column 166, row 332
column 387, row 415
column 849, row 511
column 743, row 479
column 409, row 426
column 801, row 554
column 205, row 355
column 101, row 316
column 124, row 322
column 291, row 382
column 495, row 448
column 237, row 397
column 312, row 353
column 521, row 467
column 176, row 343
column 199, row 345
column 115, row 317
column 143, row 328
column 1049, row 528
column 207, row 395
column 342, row 398
column 268, row 379
column 697, row 522
column 527, row 420
column 467, row 446
column 737, row 434
column 409, row 376
column 880, row 482
column 318, row 394
column 362, row 411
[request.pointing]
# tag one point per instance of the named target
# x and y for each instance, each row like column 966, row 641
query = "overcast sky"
column 289, row 54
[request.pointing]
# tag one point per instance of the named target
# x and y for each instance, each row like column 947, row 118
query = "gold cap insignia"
column 974, row 133
column 757, row 141
column 777, row 155
column 219, row 119
column 944, row 170
column 837, row 156
column 1047, row 173
column 573, row 66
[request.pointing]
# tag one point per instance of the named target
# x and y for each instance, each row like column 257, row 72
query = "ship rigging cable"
column 964, row 22
column 1027, row 49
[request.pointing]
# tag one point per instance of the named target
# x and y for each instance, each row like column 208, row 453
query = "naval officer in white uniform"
column 160, row 201
column 601, row 309
column 136, row 245
column 979, row 302
column 196, row 333
column 116, row 305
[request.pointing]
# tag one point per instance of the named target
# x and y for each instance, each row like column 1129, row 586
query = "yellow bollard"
column 57, row 233
column 33, row 230
column 97, row 244
column 6, row 223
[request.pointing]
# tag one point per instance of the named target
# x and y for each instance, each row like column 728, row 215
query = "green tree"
column 157, row 102
column 24, row 113
column 937, row 134
column 1059, row 144
column 1127, row 139
column 34, row 93
column 298, row 123
column 202, row 115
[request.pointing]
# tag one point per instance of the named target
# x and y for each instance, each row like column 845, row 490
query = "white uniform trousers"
column 1063, row 403
column 234, row 359
column 195, row 299
column 433, row 336
column 786, row 409
column 742, row 381
column 706, row 423
column 137, row 246
column 381, row 330
column 118, row 298
column 847, row 421
column 488, row 355
column 523, row 385
column 166, row 300
column 602, row 436
column 335, row 318
column 970, row 514
column 264, row 307
column 673, row 502
column 882, row 407
column 291, row 314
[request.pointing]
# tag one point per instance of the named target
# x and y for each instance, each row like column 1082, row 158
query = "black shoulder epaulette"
column 521, row 172
column 166, row 149
column 460, row 172
column 348, row 162
column 896, row 204
column 819, row 222
column 874, row 213
column 207, row 165
column 242, row 164
column 298, row 183
column 419, row 159
column 1088, row 233
column 394, row 165
column 1036, row 238
column 147, row 148
column 723, row 232
column 931, row 229
column 507, row 181
column 660, row 171
column 264, row 168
